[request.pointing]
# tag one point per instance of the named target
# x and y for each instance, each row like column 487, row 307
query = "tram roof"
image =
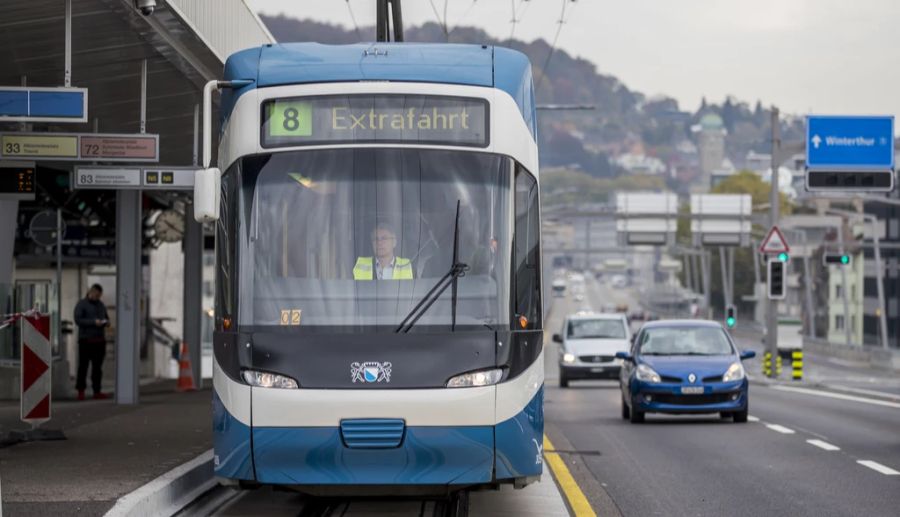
column 303, row 63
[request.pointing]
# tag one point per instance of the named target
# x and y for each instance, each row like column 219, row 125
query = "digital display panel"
column 371, row 118
column 17, row 180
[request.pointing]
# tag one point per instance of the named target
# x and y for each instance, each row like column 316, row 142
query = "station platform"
column 109, row 450
column 112, row 451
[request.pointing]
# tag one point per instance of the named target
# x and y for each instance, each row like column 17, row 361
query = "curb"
column 170, row 492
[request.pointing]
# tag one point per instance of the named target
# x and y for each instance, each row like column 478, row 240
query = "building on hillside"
column 711, row 146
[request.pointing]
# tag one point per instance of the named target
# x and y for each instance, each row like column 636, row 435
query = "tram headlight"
column 474, row 379
column 268, row 380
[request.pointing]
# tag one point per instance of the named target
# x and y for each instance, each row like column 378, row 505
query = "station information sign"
column 43, row 104
column 371, row 118
column 80, row 147
column 134, row 178
column 17, row 181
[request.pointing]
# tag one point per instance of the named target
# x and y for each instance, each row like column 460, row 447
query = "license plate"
column 598, row 370
column 692, row 390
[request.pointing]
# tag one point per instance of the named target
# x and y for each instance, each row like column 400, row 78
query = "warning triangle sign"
column 774, row 242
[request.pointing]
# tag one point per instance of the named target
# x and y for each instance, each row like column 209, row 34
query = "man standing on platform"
column 92, row 319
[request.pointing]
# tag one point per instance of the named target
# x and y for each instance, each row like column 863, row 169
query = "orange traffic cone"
column 185, row 373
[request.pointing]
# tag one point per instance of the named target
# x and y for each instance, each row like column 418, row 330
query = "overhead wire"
column 443, row 24
column 353, row 18
column 518, row 19
column 463, row 17
column 561, row 23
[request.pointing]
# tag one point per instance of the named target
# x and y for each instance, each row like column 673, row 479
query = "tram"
column 378, row 316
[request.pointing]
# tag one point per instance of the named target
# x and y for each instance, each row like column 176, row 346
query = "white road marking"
column 840, row 396
column 878, row 467
column 823, row 445
column 780, row 428
column 752, row 418
column 865, row 392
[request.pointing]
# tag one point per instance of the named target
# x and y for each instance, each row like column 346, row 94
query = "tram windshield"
column 355, row 238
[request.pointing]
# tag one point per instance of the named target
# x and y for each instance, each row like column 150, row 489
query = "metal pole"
column 688, row 276
column 882, row 317
column 808, row 281
column 193, row 283
column 59, row 239
column 774, row 205
column 193, row 277
column 587, row 243
column 67, row 74
column 723, row 266
column 196, row 156
column 143, row 127
column 730, row 252
column 844, row 287
column 128, row 292
column 707, row 295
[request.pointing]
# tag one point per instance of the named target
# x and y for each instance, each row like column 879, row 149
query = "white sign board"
column 134, row 178
column 721, row 219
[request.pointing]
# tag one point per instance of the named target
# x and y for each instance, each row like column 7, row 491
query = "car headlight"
column 646, row 374
column 568, row 358
column 268, row 380
column 735, row 372
column 474, row 379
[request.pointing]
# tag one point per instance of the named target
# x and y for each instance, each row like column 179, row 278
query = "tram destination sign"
column 375, row 118
column 134, row 178
column 80, row 147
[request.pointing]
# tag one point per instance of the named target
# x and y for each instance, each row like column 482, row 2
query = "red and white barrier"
column 36, row 368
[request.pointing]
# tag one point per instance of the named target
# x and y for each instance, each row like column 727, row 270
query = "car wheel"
column 563, row 382
column 740, row 417
column 626, row 413
column 637, row 417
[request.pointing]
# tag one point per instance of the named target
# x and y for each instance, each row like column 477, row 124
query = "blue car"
column 683, row 367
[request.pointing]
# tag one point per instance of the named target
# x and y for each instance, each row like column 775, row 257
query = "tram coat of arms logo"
column 371, row 371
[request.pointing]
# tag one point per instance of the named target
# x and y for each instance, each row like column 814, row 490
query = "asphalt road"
column 685, row 465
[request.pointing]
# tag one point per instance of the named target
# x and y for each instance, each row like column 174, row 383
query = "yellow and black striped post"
column 797, row 365
column 767, row 364
column 778, row 366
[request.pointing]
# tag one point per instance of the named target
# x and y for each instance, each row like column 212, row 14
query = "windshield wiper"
column 457, row 270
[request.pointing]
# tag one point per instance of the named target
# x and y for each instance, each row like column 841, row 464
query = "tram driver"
column 384, row 265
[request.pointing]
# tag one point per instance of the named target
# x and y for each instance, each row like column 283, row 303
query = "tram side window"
column 225, row 242
column 526, row 252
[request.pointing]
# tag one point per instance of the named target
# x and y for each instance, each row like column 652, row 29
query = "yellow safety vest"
column 365, row 269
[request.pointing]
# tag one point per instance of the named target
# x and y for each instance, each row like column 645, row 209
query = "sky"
column 803, row 56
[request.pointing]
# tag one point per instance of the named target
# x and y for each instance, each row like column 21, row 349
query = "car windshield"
column 599, row 328
column 355, row 238
column 685, row 341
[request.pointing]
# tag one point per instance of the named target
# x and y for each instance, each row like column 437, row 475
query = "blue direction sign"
column 849, row 143
column 38, row 104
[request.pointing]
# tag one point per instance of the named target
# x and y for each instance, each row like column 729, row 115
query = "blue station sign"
column 849, row 143
column 39, row 104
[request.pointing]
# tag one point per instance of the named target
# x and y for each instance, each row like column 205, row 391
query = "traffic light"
column 776, row 286
column 837, row 259
column 783, row 256
column 730, row 316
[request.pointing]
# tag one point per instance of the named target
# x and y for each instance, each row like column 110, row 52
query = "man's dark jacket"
column 87, row 312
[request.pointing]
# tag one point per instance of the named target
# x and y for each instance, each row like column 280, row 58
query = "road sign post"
column 36, row 373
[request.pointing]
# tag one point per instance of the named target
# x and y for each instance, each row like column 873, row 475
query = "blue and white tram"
column 378, row 304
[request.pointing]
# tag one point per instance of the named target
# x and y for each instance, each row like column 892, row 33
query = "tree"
column 749, row 182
